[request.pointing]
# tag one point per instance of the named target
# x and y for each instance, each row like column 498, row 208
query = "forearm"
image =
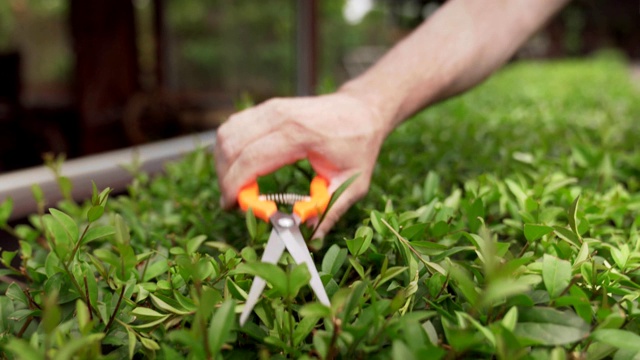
column 459, row 46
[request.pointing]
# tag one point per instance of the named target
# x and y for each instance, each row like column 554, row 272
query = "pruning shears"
column 286, row 232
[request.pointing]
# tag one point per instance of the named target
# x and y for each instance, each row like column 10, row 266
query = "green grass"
column 500, row 224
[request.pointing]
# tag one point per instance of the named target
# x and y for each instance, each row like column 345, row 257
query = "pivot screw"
column 285, row 222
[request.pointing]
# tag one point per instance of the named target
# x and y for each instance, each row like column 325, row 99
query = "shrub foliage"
column 500, row 224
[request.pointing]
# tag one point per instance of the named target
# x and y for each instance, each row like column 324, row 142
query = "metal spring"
column 286, row 198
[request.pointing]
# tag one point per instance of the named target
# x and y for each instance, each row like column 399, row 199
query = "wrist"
column 383, row 108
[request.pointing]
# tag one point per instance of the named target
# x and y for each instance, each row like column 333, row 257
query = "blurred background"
column 85, row 76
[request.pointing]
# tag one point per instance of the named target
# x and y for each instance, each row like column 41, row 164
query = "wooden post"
column 106, row 75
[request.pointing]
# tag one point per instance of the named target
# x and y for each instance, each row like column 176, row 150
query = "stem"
column 337, row 328
column 203, row 330
column 86, row 288
column 115, row 311
column 30, row 298
column 24, row 327
column 346, row 275
column 75, row 248
column 406, row 242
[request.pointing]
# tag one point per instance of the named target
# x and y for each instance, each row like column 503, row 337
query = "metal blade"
column 294, row 242
column 272, row 253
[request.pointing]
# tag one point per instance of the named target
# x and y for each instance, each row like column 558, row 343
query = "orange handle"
column 249, row 197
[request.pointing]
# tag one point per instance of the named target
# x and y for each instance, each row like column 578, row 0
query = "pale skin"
column 341, row 133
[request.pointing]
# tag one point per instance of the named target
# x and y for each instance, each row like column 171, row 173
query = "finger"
column 261, row 157
column 244, row 128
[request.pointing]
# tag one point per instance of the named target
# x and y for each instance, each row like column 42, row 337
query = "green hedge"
column 500, row 224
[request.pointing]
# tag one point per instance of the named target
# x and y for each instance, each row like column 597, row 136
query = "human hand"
column 339, row 134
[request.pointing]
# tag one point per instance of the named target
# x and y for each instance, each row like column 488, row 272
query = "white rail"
column 104, row 169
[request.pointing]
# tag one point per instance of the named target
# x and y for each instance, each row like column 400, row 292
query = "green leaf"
column 65, row 185
column 38, row 194
column 67, row 222
column 510, row 319
column 389, row 274
column 168, row 305
column 252, row 225
column 15, row 293
column 333, row 259
column 96, row 232
column 8, row 256
column 567, row 235
column 431, row 186
column 620, row 256
column 23, row 350
column 534, row 232
column 556, row 274
column 95, row 213
column 361, row 242
column 304, row 328
column 60, row 236
column 151, row 324
column 157, row 268
column 146, row 313
column 220, row 327
column 621, row 339
column 298, row 277
column 149, row 344
column 5, row 211
column 194, row 244
column 464, row 283
column 547, row 326
column 121, row 230
column 500, row 289
column 51, row 314
column 315, row 310
column 573, row 211
column 271, row 273
column 132, row 342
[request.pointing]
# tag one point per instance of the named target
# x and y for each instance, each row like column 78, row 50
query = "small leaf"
column 315, row 310
column 220, row 327
column 252, row 225
column 23, row 350
column 534, row 232
column 556, row 274
column 271, row 273
column 164, row 304
column 146, row 313
column 298, row 278
column 121, row 230
column 149, row 344
column 389, row 274
column 547, row 326
column 98, row 232
column 95, row 212
column 583, row 254
column 510, row 319
column 194, row 244
column 573, row 219
column 333, row 259
column 567, row 235
column 304, row 328
column 361, row 242
column 69, row 225
column 38, row 194
column 5, row 211
column 132, row 342
column 430, row 187
column 622, row 339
